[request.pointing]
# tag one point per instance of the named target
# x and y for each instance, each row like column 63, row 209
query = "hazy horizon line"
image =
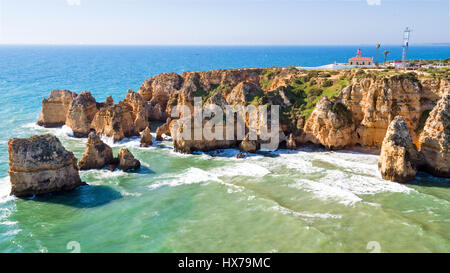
column 223, row 45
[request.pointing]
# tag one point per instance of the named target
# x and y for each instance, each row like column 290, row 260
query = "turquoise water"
column 310, row 200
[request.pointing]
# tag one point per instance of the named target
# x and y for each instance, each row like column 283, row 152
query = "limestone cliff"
column 39, row 165
column 434, row 142
column 375, row 101
column 97, row 154
column 127, row 161
column 55, row 108
column 140, row 110
column 146, row 138
column 399, row 158
column 330, row 124
column 115, row 121
column 81, row 113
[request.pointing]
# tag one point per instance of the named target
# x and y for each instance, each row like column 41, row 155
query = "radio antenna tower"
column 406, row 35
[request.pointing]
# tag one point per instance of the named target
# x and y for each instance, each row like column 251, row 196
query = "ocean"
column 310, row 200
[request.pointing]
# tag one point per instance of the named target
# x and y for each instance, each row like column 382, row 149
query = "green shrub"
column 327, row 83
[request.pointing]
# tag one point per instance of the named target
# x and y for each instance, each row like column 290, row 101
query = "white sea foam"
column 195, row 176
column 8, row 223
column 241, row 169
column 285, row 210
column 104, row 174
column 350, row 161
column 348, row 187
column 126, row 142
column 64, row 131
column 191, row 176
column 5, row 190
column 300, row 161
column 12, row 232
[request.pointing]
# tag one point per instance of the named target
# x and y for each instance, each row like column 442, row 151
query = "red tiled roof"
column 360, row 59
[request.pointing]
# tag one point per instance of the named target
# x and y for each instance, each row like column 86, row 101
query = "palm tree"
column 378, row 47
column 386, row 52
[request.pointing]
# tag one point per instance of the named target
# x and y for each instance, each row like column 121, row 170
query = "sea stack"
column 80, row 114
column 146, row 138
column 127, row 161
column 399, row 156
column 39, row 165
column 55, row 107
column 97, row 154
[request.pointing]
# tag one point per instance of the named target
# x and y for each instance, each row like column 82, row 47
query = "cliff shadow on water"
column 88, row 196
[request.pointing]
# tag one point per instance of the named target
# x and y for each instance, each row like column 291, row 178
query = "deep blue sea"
column 303, row 201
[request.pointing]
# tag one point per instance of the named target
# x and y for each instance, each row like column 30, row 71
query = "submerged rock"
column 399, row 157
column 40, row 164
column 127, row 161
column 146, row 138
column 55, row 107
column 434, row 141
column 81, row 113
column 97, row 154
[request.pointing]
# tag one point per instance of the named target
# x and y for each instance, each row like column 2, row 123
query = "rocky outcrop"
column 248, row 146
column 434, row 141
column 127, row 161
column 375, row 101
column 40, row 165
column 81, row 113
column 109, row 101
column 146, row 138
column 185, row 141
column 97, row 154
column 399, row 158
column 115, row 121
column 244, row 93
column 163, row 129
column 140, row 110
column 330, row 125
column 55, row 107
column 291, row 144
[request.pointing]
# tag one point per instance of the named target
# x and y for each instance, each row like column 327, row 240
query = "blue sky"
column 222, row 22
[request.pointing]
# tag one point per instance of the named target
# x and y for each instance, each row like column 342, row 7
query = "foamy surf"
column 191, row 176
column 102, row 174
column 241, row 169
column 64, row 131
column 347, row 189
column 126, row 142
column 195, row 176
column 5, row 190
column 308, row 215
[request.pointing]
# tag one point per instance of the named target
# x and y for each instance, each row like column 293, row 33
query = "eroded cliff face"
column 97, row 154
column 40, row 164
column 434, row 141
column 336, row 109
column 140, row 110
column 331, row 125
column 399, row 158
column 375, row 102
column 115, row 121
column 81, row 113
column 55, row 107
